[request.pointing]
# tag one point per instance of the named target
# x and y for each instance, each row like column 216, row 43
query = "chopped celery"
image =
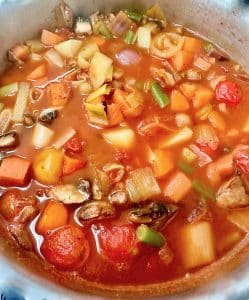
column 133, row 15
column 161, row 98
column 9, row 90
column 96, row 113
column 147, row 235
column 208, row 47
column 130, row 37
column 188, row 155
column 103, row 90
column 101, row 28
column 202, row 113
column 185, row 167
column 155, row 12
column 203, row 190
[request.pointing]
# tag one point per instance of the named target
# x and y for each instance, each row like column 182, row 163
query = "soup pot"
column 225, row 23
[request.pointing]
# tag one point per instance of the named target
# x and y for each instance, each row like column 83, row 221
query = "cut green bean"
column 133, row 15
column 149, row 236
column 185, row 167
column 130, row 37
column 160, row 97
column 9, row 90
column 203, row 190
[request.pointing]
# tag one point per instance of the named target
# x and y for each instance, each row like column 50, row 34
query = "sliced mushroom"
column 48, row 115
column 68, row 194
column 64, row 16
column 156, row 214
column 35, row 94
column 101, row 184
column 164, row 78
column 96, row 210
column 217, row 54
column 84, row 187
column 9, row 140
column 21, row 235
column 115, row 172
column 27, row 214
column 28, row 119
column 118, row 197
column 18, row 54
column 5, row 120
column 232, row 194
column 170, row 68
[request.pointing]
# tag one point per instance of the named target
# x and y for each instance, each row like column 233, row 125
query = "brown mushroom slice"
column 68, row 194
column 157, row 214
column 21, row 235
column 18, row 54
column 9, row 140
column 99, row 209
column 217, row 54
column 48, row 115
column 232, row 194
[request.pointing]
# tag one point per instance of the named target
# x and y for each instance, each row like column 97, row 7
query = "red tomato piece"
column 206, row 149
column 241, row 160
column 74, row 145
column 118, row 243
column 228, row 92
column 66, row 247
column 123, row 156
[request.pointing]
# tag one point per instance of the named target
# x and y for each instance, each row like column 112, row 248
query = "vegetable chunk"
column 14, row 171
column 197, row 245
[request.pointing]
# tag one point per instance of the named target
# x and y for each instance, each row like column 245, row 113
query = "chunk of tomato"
column 66, row 247
column 75, row 145
column 228, row 92
column 117, row 243
column 241, row 160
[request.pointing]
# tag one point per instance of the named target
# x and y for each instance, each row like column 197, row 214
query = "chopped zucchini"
column 69, row 48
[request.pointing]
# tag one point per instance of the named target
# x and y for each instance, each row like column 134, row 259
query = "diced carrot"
column 14, row 170
column 53, row 216
column 49, row 38
column 99, row 40
column 162, row 162
column 192, row 44
column 202, row 96
column 178, row 101
column 177, row 187
column 114, row 114
column 38, row 72
column 72, row 164
column 182, row 60
column 216, row 120
column 59, row 93
column 223, row 166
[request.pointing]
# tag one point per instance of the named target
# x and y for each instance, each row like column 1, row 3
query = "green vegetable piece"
column 208, row 47
column 185, row 167
column 133, row 15
column 130, row 37
column 160, row 97
column 205, row 191
column 147, row 235
column 9, row 90
column 101, row 28
column 155, row 12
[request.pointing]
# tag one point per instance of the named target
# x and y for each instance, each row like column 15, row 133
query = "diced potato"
column 143, row 37
column 162, row 162
column 69, row 48
column 121, row 137
column 99, row 68
column 88, row 50
column 179, row 137
column 178, row 102
column 182, row 60
column 41, row 136
column 177, row 187
column 240, row 218
column 197, row 244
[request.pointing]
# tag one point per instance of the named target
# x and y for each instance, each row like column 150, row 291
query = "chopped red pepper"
column 228, row 92
column 75, row 145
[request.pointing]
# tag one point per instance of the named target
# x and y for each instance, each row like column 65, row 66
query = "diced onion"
column 143, row 37
column 64, row 137
column 21, row 101
column 54, row 57
column 142, row 185
column 41, row 136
